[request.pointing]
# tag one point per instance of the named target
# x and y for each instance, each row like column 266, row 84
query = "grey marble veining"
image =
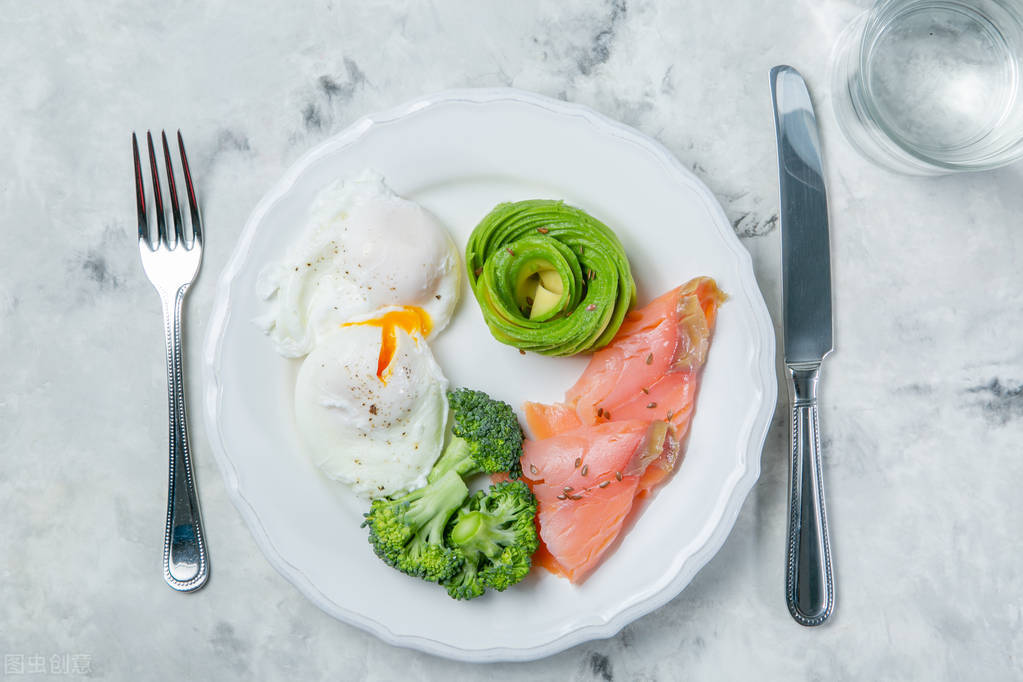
column 922, row 402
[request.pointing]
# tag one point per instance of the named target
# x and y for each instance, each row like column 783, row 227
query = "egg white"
column 378, row 437
column 364, row 248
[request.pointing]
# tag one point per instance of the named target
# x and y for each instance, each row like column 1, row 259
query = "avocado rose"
column 548, row 277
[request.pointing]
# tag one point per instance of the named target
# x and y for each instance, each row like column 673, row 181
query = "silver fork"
column 171, row 264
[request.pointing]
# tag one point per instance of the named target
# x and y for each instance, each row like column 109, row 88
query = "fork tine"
column 193, row 203
column 140, row 193
column 175, row 209
column 161, row 222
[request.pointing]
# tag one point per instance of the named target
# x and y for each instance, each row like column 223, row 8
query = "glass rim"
column 875, row 22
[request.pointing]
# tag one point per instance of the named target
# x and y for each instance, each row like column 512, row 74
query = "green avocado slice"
column 548, row 277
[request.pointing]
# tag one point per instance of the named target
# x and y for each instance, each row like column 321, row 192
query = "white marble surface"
column 923, row 399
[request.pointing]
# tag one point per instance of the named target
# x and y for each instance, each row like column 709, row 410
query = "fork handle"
column 809, row 585
column 185, row 562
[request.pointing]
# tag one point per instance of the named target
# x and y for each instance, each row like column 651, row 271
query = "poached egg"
column 370, row 403
column 364, row 249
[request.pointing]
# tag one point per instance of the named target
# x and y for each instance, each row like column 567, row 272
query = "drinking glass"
column 928, row 87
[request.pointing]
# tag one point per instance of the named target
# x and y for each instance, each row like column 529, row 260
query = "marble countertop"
column 922, row 400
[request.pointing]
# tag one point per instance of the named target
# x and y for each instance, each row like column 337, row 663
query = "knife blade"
column 806, row 258
column 808, row 339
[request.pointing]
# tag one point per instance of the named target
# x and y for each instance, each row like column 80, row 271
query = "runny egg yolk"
column 412, row 319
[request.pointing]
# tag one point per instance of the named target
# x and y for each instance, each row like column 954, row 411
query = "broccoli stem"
column 456, row 457
column 467, row 526
column 481, row 532
column 435, row 504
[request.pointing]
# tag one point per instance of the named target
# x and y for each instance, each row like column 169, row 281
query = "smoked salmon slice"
column 545, row 421
column 619, row 432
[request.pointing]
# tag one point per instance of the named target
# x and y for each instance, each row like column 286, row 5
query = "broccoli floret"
column 408, row 532
column 495, row 533
column 465, row 584
column 489, row 544
column 506, row 569
column 485, row 437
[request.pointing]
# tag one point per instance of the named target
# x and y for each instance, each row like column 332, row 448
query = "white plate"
column 459, row 153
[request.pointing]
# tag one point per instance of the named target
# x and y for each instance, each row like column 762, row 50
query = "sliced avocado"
column 544, row 301
column 537, row 281
column 530, row 268
column 552, row 281
column 525, row 292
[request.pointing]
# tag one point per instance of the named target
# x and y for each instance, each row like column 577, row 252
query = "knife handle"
column 809, row 586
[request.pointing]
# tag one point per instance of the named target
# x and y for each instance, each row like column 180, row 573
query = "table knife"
column 806, row 296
